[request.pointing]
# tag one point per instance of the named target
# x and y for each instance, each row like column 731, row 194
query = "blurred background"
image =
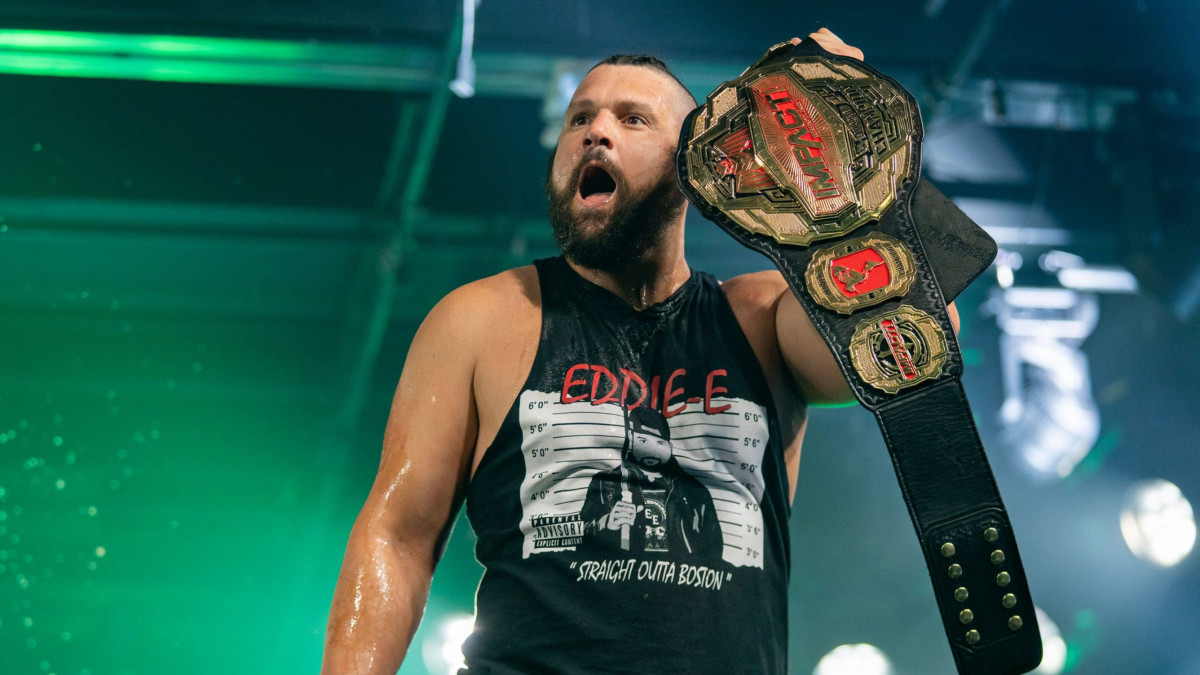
column 221, row 223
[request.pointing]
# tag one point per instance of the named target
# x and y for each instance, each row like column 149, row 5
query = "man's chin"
column 589, row 228
column 590, row 224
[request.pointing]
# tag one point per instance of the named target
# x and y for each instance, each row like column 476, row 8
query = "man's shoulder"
column 756, row 290
column 754, row 298
column 499, row 295
column 483, row 312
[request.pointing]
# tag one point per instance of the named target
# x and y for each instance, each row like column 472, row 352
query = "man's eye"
column 579, row 119
column 635, row 119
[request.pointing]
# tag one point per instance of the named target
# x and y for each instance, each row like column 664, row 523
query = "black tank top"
column 631, row 513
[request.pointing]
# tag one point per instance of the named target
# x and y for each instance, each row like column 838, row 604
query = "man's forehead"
column 630, row 83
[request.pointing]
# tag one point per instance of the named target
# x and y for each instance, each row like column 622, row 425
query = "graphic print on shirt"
column 672, row 477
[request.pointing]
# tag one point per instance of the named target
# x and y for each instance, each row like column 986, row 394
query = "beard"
column 627, row 232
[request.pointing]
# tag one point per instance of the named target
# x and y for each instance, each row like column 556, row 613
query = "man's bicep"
column 807, row 357
column 810, row 360
column 430, row 437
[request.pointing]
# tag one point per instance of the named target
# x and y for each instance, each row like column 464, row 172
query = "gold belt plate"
column 898, row 349
column 803, row 150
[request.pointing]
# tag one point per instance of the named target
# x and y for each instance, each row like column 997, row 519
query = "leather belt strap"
column 813, row 160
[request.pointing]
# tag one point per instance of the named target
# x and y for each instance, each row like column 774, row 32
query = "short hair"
column 644, row 61
column 646, row 420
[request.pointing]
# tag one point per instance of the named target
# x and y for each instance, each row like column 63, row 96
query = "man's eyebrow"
column 641, row 107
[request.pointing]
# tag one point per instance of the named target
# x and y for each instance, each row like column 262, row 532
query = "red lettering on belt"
column 899, row 352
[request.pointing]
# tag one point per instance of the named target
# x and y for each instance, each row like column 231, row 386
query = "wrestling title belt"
column 813, row 159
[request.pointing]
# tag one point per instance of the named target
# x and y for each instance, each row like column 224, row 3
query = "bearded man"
column 514, row 398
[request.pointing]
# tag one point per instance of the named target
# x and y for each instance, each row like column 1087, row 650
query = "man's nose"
column 599, row 131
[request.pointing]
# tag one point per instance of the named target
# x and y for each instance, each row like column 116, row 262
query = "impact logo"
column 807, row 146
column 898, row 349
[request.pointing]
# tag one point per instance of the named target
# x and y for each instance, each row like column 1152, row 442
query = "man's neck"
column 648, row 281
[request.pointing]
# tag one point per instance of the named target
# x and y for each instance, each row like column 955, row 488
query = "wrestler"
column 506, row 401
column 667, row 510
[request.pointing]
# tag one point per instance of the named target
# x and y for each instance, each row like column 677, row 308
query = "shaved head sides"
column 686, row 100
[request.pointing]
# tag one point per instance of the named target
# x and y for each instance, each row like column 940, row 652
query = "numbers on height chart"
column 750, row 442
column 749, row 467
column 752, row 417
column 538, row 452
column 537, row 428
column 536, row 405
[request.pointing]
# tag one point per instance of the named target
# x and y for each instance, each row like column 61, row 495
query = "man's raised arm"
column 401, row 531
column 806, row 355
column 808, row 358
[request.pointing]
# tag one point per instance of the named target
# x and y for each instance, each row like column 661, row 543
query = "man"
column 648, row 503
column 514, row 391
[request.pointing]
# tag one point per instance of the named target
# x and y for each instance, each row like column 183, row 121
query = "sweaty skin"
column 474, row 350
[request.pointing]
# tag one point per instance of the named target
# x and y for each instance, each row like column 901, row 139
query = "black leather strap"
column 952, row 499
column 948, row 487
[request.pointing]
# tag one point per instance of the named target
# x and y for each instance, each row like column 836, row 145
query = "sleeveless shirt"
column 697, row 582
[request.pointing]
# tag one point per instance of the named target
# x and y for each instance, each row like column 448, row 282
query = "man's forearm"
column 380, row 596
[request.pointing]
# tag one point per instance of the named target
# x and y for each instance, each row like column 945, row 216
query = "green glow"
column 41, row 65
column 176, row 46
column 177, row 58
column 191, row 46
column 36, row 40
column 846, row 404
column 1084, row 640
column 1105, row 446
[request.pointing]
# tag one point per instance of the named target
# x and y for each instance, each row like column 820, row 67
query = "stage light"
column 463, row 84
column 1073, row 272
column 857, row 659
column 566, row 79
column 442, row 649
column 1158, row 523
column 1050, row 417
column 1054, row 648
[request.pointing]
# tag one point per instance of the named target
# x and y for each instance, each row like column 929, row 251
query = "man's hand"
column 623, row 513
column 833, row 44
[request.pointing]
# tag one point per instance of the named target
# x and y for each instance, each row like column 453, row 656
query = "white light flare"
column 1054, row 648
column 1158, row 523
column 856, row 659
column 442, row 650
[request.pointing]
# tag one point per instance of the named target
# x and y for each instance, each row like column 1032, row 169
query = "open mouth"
column 596, row 185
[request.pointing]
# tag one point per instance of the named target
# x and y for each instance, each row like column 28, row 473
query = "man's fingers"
column 834, row 45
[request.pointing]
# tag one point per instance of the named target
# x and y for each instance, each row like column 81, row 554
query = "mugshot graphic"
column 649, row 503
column 674, row 478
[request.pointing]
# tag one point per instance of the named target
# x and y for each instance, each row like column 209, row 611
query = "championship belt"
column 813, row 159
